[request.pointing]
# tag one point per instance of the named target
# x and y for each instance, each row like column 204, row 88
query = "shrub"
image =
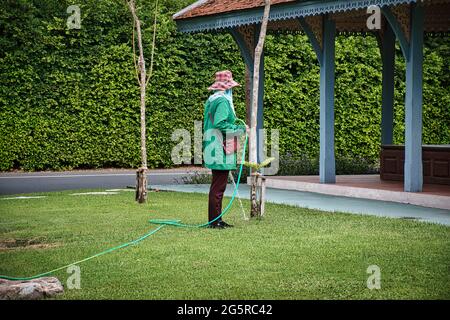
column 69, row 98
column 305, row 165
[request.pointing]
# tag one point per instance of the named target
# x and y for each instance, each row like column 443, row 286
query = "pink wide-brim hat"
column 224, row 81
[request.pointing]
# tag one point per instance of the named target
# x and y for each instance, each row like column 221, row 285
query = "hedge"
column 69, row 98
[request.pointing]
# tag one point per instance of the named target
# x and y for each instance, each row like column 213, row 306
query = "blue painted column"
column 327, row 79
column 387, row 106
column 413, row 103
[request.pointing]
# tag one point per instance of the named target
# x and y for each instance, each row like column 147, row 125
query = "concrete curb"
column 414, row 198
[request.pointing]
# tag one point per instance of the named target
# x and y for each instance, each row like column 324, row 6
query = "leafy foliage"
column 305, row 165
column 70, row 99
column 258, row 166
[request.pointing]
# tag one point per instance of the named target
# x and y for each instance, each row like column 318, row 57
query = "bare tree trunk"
column 143, row 80
column 141, row 174
column 248, row 92
column 141, row 185
column 257, row 61
column 255, row 208
column 253, row 195
column 257, row 194
column 262, row 196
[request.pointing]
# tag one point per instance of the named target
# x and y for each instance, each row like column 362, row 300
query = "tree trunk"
column 141, row 181
column 141, row 173
column 141, row 185
column 262, row 197
column 254, row 210
column 255, row 207
column 257, row 194
column 248, row 93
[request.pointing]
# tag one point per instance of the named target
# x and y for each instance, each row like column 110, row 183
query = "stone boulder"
column 35, row 289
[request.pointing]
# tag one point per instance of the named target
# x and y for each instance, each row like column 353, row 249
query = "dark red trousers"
column 216, row 191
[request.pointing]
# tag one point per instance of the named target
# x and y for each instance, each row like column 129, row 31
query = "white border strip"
column 414, row 198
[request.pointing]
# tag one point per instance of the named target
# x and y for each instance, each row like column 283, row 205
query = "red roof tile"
column 210, row 7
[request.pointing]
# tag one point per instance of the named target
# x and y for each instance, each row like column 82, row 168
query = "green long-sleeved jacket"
column 219, row 123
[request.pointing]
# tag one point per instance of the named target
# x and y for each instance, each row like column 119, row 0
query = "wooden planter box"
column 436, row 163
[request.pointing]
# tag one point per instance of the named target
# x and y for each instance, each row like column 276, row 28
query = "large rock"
column 30, row 290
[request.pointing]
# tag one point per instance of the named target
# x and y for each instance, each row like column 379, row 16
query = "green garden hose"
column 162, row 223
column 84, row 260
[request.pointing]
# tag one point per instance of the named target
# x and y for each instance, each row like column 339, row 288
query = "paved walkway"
column 29, row 182
column 331, row 203
column 366, row 187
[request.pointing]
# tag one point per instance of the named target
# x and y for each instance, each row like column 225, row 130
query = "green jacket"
column 218, row 123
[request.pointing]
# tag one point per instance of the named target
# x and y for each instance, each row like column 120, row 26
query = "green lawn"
column 292, row 253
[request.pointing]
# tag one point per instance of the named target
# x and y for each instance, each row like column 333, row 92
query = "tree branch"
column 134, row 56
column 256, row 66
column 150, row 73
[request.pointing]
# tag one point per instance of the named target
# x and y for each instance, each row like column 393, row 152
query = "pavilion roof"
column 210, row 7
column 350, row 15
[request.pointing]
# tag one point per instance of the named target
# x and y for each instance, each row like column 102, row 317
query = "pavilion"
column 402, row 20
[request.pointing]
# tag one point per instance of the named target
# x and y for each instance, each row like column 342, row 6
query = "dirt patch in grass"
column 35, row 243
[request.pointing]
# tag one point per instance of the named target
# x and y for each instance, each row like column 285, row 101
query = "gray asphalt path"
column 16, row 183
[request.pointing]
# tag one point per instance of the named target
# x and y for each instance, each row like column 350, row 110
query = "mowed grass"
column 292, row 253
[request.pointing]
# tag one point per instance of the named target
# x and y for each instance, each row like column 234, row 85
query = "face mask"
column 229, row 96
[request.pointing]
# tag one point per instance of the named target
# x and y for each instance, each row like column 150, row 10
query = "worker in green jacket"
column 220, row 139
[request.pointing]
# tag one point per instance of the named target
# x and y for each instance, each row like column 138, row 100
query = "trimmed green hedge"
column 69, row 98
